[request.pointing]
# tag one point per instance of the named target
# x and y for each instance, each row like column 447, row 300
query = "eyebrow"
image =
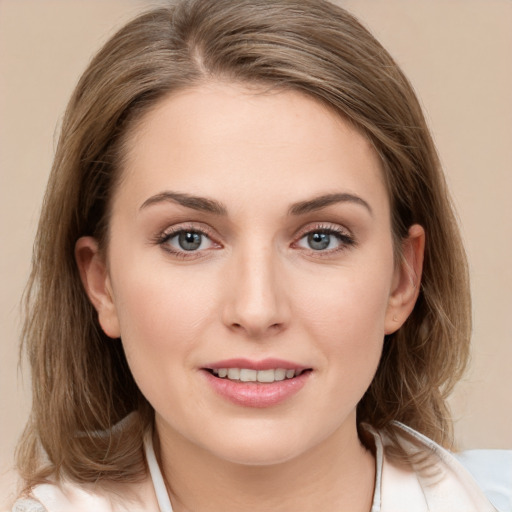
column 326, row 200
column 195, row 203
column 212, row 206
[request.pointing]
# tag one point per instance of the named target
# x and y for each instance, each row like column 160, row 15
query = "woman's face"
column 250, row 236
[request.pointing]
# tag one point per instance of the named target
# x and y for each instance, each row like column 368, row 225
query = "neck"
column 338, row 474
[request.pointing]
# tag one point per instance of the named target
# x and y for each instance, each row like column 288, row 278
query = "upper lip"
column 263, row 364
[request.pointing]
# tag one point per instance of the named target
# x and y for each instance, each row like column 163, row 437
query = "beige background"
column 458, row 55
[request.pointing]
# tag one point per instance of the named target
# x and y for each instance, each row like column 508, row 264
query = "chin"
column 258, row 454
column 258, row 446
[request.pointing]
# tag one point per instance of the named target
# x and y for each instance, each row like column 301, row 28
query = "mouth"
column 251, row 383
column 267, row 376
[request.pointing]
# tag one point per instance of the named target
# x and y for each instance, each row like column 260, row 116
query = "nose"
column 256, row 304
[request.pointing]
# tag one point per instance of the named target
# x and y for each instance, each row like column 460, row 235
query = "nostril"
column 254, row 325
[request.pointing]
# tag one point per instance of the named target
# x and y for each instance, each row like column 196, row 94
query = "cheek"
column 350, row 304
column 351, row 333
column 346, row 317
column 161, row 314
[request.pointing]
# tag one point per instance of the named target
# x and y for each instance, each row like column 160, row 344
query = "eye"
column 183, row 241
column 189, row 241
column 325, row 240
column 320, row 241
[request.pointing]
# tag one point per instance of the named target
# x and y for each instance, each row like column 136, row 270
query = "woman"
column 249, row 290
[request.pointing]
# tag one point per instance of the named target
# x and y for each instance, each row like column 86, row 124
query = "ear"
column 406, row 280
column 96, row 281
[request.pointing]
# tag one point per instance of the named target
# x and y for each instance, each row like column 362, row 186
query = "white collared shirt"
column 474, row 481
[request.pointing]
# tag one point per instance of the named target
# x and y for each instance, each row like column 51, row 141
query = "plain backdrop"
column 458, row 55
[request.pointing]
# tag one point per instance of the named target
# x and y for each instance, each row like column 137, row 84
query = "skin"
column 255, row 288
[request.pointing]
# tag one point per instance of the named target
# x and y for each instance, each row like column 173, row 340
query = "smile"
column 259, row 384
column 250, row 375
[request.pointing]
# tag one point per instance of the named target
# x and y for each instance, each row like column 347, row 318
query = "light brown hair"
column 81, row 380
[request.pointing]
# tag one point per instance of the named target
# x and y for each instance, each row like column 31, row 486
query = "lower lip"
column 257, row 394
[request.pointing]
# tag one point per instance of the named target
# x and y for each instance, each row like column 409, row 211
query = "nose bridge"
column 257, row 303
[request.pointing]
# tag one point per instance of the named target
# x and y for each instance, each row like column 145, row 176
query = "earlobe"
column 96, row 281
column 407, row 280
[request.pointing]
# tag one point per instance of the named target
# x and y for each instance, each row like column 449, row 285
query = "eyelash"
column 345, row 239
column 163, row 238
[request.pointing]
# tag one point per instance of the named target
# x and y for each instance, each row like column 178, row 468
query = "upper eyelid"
column 163, row 236
column 323, row 226
column 344, row 235
column 212, row 234
column 188, row 226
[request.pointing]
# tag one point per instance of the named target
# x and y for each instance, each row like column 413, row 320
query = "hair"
column 81, row 381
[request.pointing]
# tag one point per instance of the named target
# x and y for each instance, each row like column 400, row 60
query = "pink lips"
column 256, row 394
column 265, row 364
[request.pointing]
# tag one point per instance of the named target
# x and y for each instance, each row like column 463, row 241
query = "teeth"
column 280, row 374
column 247, row 375
column 265, row 376
column 234, row 373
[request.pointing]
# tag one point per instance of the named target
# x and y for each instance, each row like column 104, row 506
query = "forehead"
column 220, row 137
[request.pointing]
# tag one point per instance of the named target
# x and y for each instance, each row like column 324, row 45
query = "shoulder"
column 102, row 496
column 476, row 481
column 112, row 497
column 28, row 505
column 492, row 470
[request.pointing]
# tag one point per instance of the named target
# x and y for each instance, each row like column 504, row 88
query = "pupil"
column 189, row 241
column 319, row 241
